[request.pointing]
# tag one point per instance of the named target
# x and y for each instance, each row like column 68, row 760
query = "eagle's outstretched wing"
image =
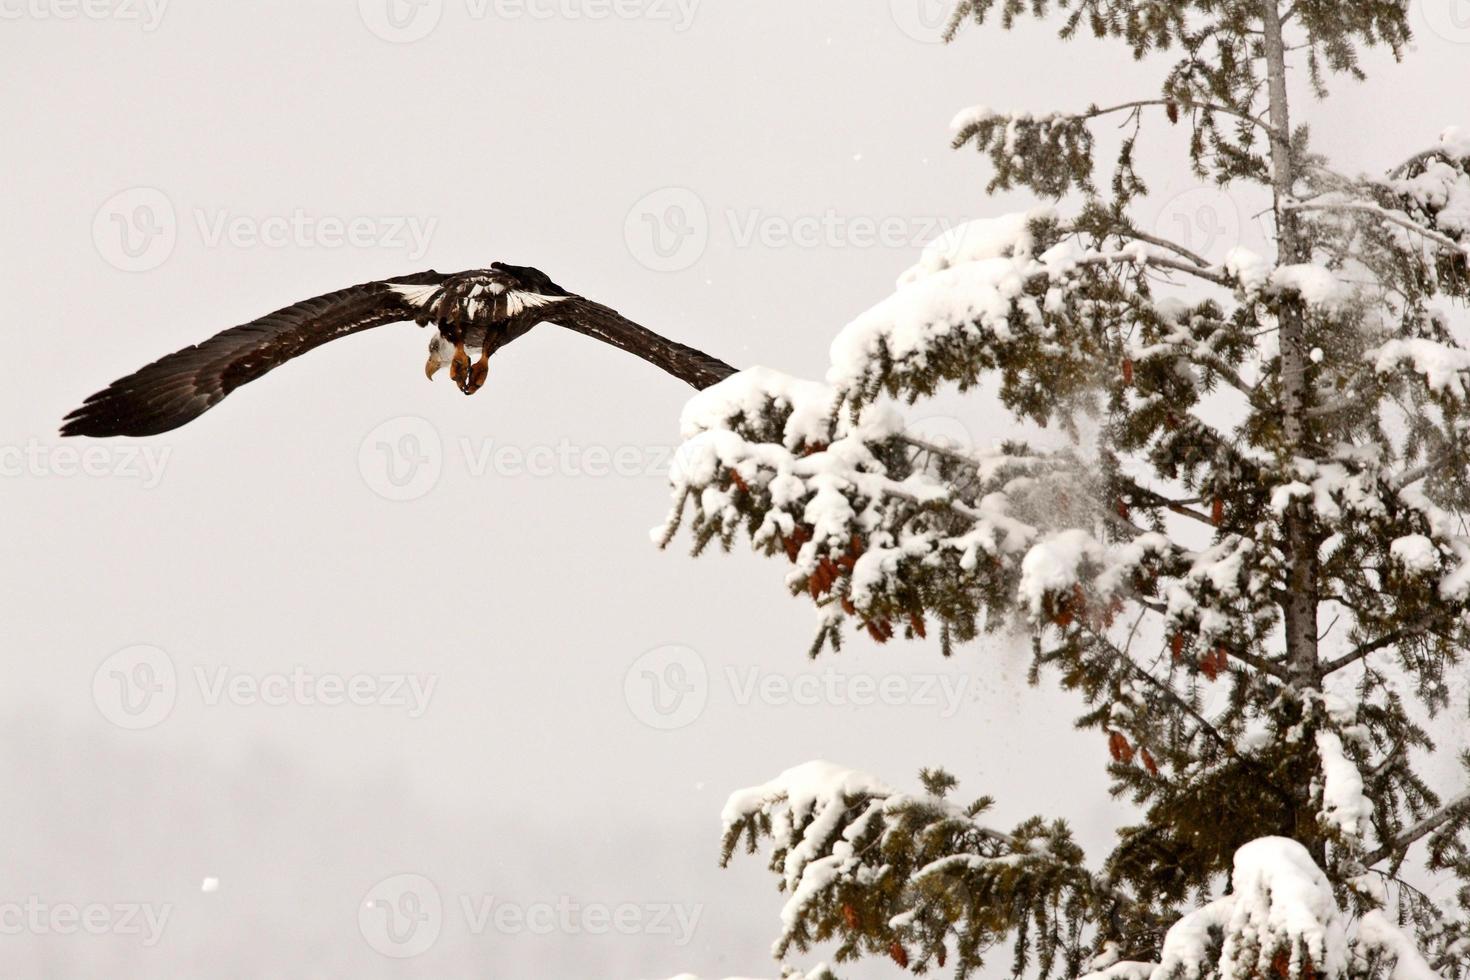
column 691, row 366
column 180, row 387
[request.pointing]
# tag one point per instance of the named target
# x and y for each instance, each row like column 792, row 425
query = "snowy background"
column 538, row 716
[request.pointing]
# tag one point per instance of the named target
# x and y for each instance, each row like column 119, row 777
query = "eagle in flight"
column 475, row 313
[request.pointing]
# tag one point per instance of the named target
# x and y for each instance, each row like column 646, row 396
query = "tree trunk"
column 1299, row 606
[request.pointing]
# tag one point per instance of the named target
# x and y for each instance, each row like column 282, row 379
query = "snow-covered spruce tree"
column 1239, row 536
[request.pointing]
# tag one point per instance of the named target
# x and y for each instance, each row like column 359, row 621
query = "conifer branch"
column 1423, row 828
column 1174, row 247
column 925, row 445
column 1164, row 689
column 1410, row 477
column 1414, row 161
column 1384, row 214
column 1095, row 112
column 1368, row 649
column 1180, row 507
column 1226, row 374
column 1260, row 663
column 1212, row 274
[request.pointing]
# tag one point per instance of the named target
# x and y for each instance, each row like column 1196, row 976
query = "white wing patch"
column 415, row 295
column 516, row 302
column 483, row 297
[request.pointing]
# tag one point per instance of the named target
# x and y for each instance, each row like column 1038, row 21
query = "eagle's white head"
column 441, row 352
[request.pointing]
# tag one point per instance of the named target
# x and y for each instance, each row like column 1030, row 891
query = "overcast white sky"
column 743, row 176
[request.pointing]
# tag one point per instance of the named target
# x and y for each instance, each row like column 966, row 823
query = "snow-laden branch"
column 1383, row 214
column 1281, row 919
column 910, row 876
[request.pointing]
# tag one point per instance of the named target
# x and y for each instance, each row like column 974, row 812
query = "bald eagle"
column 476, row 312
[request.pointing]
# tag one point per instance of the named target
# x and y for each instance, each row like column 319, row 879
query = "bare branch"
column 1164, row 689
column 1386, row 640
column 1421, row 829
column 1181, row 103
column 1213, row 274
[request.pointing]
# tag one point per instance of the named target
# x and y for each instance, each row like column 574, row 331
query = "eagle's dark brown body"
column 478, row 311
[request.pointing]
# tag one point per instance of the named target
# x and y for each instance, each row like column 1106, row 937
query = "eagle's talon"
column 478, row 373
column 459, row 366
